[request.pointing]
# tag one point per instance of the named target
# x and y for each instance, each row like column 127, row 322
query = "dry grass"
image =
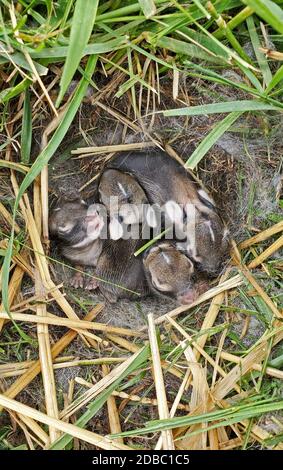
column 187, row 361
column 207, row 390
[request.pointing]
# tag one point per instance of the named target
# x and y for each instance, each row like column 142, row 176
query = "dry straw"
column 167, row 437
column 21, row 383
column 113, row 414
column 97, row 388
column 102, row 442
column 49, row 319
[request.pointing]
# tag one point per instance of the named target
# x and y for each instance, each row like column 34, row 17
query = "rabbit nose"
column 187, row 297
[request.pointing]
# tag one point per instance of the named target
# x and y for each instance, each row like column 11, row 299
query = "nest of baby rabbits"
column 104, row 354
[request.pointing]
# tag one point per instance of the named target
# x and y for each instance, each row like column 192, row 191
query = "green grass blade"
column 9, row 93
column 211, row 139
column 126, row 86
column 225, row 417
column 261, row 59
column 268, row 11
column 19, row 59
column 131, row 81
column 227, row 107
column 151, row 242
column 148, row 7
column 121, row 31
column 209, row 74
column 184, row 48
column 39, row 164
column 235, row 44
column 26, row 134
column 252, row 78
column 14, row 166
column 204, row 42
column 95, row 406
column 226, row 50
column 277, row 78
column 60, row 52
column 202, row 9
column 124, row 11
column 234, row 22
column 82, row 24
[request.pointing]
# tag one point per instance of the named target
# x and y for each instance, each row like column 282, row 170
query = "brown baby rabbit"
column 117, row 263
column 124, row 187
column 125, row 201
column 209, row 246
column 122, row 271
column 171, row 273
column 78, row 227
column 167, row 183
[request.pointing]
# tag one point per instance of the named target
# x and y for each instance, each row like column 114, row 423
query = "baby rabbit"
column 125, row 201
column 211, row 244
column 167, row 183
column 123, row 187
column 78, row 227
column 171, row 273
column 122, row 271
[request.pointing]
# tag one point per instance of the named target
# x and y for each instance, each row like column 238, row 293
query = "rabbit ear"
column 115, row 229
column 206, row 199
